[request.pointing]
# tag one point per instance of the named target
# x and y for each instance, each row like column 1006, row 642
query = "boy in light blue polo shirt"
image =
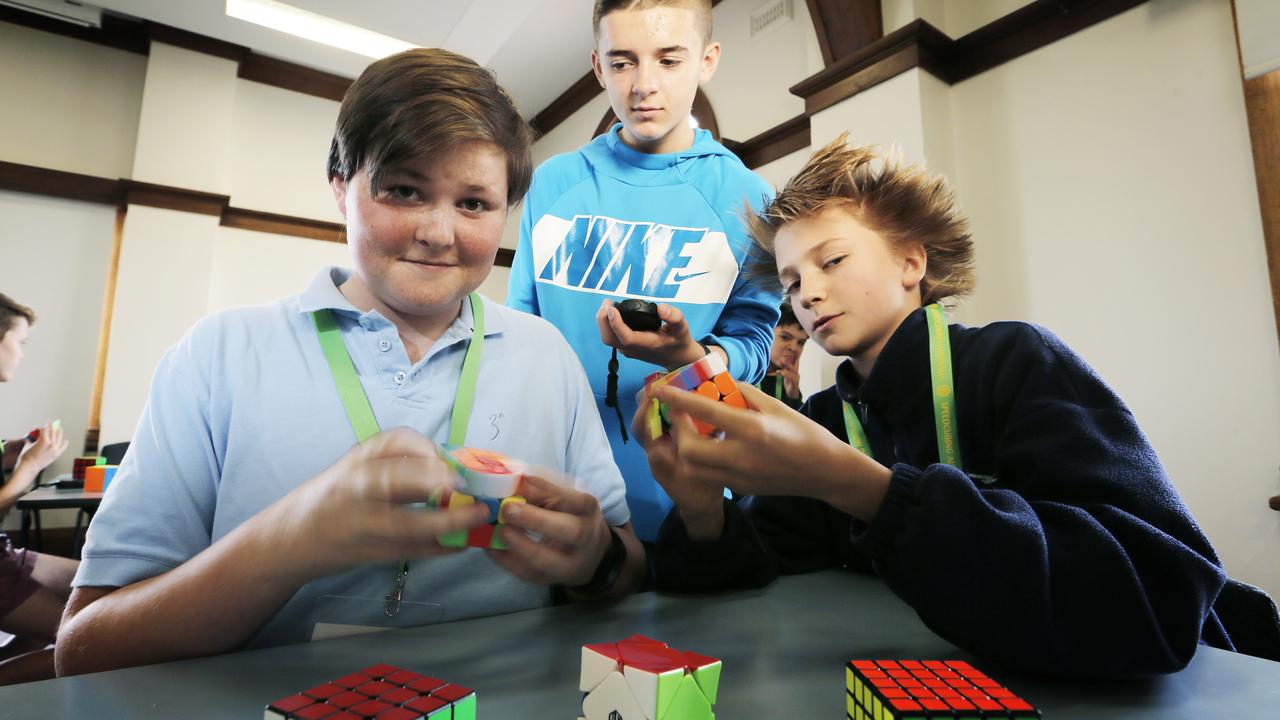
column 243, row 515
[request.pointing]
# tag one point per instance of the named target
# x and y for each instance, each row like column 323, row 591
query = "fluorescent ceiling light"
column 314, row 27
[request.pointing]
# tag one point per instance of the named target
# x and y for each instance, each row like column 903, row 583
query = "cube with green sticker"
column 916, row 690
column 645, row 679
column 484, row 477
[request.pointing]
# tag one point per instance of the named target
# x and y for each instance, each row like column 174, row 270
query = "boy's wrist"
column 691, row 352
column 705, row 526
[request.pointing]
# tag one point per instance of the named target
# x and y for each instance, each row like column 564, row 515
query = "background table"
column 784, row 650
column 49, row 498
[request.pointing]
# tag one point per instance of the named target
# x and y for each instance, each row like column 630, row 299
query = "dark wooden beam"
column 292, row 76
column 277, row 224
column 173, row 198
column 776, row 142
column 566, row 104
column 844, row 27
column 60, row 184
column 917, row 44
column 1262, row 106
column 1029, row 28
column 116, row 32
column 199, row 43
column 921, row 45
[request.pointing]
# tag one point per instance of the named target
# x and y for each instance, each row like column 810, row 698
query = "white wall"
column 750, row 89
column 1119, row 209
column 53, row 260
column 161, row 291
column 250, row 268
column 1259, row 27
column 68, row 105
column 279, row 141
column 956, row 18
column 186, row 120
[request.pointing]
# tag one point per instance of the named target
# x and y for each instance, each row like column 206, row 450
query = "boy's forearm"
column 15, row 487
column 211, row 604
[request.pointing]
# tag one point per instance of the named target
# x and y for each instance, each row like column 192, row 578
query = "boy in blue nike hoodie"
column 649, row 210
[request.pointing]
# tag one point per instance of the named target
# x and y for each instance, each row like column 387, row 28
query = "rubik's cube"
column 383, row 692
column 98, row 477
column 914, row 690
column 707, row 377
column 487, row 477
column 644, row 679
column 80, row 464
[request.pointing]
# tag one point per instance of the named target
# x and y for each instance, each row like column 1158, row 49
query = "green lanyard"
column 360, row 412
column 944, row 400
column 777, row 385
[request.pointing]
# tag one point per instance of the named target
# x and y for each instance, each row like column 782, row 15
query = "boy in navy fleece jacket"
column 1053, row 541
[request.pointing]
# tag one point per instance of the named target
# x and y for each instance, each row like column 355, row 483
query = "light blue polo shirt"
column 244, row 409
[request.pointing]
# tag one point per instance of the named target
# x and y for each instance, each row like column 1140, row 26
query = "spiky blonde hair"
column 905, row 204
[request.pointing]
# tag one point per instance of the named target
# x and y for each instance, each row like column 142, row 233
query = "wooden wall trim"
column 1029, row 28
column 123, row 192
column 199, row 43
column 292, row 76
column 173, row 198
column 566, row 104
column 1262, row 105
column 776, row 142
column 59, row 183
column 919, row 44
column 913, row 45
column 116, row 32
column 277, row 224
column 136, row 36
column 104, row 334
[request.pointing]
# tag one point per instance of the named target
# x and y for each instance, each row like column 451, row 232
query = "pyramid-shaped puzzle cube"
column 915, row 690
column 643, row 679
column 707, row 377
column 487, row 477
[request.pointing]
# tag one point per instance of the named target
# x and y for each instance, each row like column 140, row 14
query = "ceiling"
column 538, row 48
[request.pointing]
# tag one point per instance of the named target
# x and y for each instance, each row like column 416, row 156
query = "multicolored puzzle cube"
column 98, row 477
column 643, row 679
column 708, row 377
column 915, row 690
column 384, row 692
column 80, row 464
column 488, row 477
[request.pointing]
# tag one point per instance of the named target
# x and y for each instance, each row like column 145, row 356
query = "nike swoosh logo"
column 681, row 277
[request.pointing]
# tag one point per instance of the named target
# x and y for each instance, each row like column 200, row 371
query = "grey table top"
column 784, row 650
column 47, row 498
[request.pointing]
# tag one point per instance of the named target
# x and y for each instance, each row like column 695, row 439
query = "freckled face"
column 429, row 235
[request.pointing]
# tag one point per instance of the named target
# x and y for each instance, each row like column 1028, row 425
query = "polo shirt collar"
column 323, row 294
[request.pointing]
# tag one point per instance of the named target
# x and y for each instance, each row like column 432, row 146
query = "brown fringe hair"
column 424, row 101
column 905, row 204
column 11, row 310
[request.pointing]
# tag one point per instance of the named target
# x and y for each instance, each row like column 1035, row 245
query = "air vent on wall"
column 771, row 15
column 65, row 10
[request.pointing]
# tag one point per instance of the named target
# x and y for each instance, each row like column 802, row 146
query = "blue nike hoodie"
column 607, row 221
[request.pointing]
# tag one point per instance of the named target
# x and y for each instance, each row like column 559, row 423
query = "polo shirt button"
column 384, row 345
column 399, row 376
